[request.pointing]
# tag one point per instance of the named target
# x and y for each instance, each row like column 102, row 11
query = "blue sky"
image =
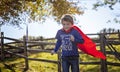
column 91, row 22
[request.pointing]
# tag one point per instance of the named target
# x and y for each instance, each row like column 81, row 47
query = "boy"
column 68, row 37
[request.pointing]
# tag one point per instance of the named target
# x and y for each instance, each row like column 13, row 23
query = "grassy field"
column 17, row 64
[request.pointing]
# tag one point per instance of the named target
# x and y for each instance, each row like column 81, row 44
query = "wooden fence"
column 21, row 48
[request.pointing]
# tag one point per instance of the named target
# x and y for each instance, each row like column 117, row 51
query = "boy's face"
column 66, row 25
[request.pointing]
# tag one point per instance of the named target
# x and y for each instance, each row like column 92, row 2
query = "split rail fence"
column 21, row 48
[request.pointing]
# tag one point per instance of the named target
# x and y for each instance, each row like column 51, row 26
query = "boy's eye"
column 65, row 24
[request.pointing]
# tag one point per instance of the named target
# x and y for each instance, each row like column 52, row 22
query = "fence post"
column 102, row 48
column 2, row 46
column 25, row 53
column 119, row 34
column 42, row 46
column 59, row 61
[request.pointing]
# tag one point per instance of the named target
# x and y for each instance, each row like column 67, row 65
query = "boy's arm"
column 57, row 46
column 78, row 38
column 58, row 43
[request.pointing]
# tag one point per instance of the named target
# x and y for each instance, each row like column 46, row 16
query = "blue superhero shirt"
column 69, row 48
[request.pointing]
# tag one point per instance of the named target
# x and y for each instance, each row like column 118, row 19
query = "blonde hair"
column 67, row 18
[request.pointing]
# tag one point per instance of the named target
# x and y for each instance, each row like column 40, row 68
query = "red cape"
column 89, row 46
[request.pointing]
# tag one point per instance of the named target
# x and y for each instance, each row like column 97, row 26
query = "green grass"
column 34, row 66
column 37, row 66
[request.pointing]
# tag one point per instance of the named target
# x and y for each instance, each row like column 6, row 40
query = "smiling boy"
column 67, row 39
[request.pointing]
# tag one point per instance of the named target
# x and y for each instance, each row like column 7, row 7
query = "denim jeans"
column 70, row 61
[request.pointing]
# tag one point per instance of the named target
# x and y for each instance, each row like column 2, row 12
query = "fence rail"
column 21, row 48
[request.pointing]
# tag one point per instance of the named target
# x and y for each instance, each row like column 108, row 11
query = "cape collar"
column 67, row 31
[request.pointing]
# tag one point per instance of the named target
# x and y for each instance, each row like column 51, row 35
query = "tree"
column 111, row 5
column 11, row 10
column 61, row 7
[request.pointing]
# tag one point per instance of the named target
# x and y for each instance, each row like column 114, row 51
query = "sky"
column 90, row 22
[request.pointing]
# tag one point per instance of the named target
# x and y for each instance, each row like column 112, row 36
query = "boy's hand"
column 72, row 38
column 52, row 52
